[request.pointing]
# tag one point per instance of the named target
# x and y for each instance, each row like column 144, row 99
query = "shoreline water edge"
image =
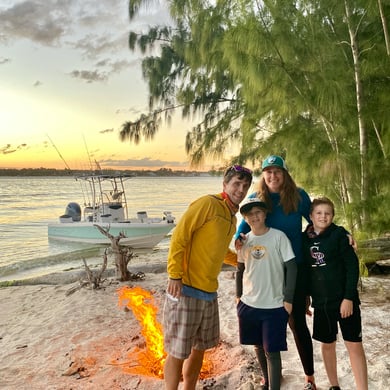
column 151, row 261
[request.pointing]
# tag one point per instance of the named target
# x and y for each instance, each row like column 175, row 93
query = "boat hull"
column 137, row 235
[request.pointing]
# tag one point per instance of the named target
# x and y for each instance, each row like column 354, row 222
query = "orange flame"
column 151, row 361
column 141, row 302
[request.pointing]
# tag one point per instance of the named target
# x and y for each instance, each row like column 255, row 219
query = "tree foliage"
column 308, row 80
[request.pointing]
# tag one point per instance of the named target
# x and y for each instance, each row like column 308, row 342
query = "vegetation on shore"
column 66, row 172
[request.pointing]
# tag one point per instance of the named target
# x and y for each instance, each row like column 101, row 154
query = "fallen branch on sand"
column 94, row 279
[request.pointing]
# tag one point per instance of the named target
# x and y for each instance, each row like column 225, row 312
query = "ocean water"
column 28, row 204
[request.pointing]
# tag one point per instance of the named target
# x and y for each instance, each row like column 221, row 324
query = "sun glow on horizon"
column 78, row 86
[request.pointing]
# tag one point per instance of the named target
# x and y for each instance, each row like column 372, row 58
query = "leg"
column 358, row 361
column 183, row 322
column 274, row 368
column 303, row 342
column 298, row 325
column 351, row 328
column 330, row 361
column 191, row 369
column 172, row 372
column 260, row 354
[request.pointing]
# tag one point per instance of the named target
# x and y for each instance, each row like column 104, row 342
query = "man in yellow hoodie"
column 199, row 246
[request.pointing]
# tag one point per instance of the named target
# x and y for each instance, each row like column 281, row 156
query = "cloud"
column 89, row 76
column 91, row 45
column 40, row 22
column 117, row 66
column 131, row 110
column 8, row 149
column 106, row 131
column 98, row 30
column 71, row 22
column 142, row 162
column 111, row 67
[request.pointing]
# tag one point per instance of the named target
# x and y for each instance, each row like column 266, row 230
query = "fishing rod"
column 89, row 156
column 55, row 147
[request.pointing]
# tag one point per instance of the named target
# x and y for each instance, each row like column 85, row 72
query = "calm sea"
column 28, row 204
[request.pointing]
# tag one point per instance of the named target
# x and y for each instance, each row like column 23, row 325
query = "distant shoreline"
column 162, row 172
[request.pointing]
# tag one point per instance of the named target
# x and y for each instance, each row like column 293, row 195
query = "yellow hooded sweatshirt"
column 200, row 243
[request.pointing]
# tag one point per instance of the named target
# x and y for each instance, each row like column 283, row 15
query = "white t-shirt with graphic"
column 263, row 278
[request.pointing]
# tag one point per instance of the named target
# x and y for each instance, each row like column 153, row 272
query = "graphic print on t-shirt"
column 258, row 251
column 317, row 256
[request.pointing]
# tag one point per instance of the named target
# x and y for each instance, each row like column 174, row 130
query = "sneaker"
column 334, row 388
column 310, row 386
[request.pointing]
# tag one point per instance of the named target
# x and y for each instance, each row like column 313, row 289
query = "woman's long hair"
column 289, row 195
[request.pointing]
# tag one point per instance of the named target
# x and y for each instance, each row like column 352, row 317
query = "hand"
column 287, row 307
column 346, row 308
column 352, row 242
column 308, row 303
column 239, row 242
column 174, row 287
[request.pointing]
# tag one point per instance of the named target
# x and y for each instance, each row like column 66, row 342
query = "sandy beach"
column 55, row 340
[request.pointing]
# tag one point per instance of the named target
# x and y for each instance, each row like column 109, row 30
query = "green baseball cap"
column 274, row 161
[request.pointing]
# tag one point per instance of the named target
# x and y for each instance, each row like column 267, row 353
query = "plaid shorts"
column 190, row 323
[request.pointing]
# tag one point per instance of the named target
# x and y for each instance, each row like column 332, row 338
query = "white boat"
column 105, row 205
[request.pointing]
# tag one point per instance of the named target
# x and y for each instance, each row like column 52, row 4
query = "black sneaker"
column 334, row 388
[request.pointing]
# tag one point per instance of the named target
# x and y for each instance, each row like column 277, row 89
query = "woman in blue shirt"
column 287, row 205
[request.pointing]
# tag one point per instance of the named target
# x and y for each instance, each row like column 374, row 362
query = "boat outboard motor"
column 73, row 209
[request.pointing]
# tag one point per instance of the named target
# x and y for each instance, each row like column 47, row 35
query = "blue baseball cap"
column 274, row 161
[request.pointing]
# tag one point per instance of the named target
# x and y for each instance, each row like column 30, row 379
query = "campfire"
column 150, row 360
column 141, row 303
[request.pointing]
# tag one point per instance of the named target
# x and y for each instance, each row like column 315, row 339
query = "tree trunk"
column 384, row 26
column 361, row 121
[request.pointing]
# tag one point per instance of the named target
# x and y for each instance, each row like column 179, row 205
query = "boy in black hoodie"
column 333, row 271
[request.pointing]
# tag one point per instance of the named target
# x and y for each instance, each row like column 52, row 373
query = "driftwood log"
column 93, row 279
column 123, row 254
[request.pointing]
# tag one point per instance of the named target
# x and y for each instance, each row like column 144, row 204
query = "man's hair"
column 237, row 171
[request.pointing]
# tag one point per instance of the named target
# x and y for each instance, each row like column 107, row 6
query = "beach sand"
column 51, row 339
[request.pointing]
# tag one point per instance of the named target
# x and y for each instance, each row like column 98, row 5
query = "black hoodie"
column 332, row 265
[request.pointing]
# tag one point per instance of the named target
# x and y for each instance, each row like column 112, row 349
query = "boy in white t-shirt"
column 265, row 284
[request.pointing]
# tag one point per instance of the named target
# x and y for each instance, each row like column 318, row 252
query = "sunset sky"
column 68, row 82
